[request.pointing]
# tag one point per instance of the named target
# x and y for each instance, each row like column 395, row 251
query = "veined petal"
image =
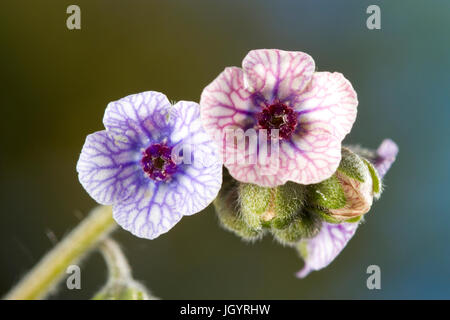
column 309, row 157
column 329, row 102
column 185, row 116
column 252, row 169
column 140, row 118
column 109, row 169
column 313, row 155
column 225, row 103
column 201, row 168
column 200, row 183
column 277, row 74
column 150, row 212
column 321, row 250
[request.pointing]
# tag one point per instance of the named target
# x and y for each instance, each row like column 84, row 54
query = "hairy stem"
column 118, row 266
column 47, row 273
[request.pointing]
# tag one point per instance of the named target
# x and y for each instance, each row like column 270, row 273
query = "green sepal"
column 304, row 225
column 327, row 194
column 376, row 181
column 354, row 220
column 228, row 209
column 254, row 203
column 270, row 207
column 324, row 215
column 288, row 201
column 352, row 165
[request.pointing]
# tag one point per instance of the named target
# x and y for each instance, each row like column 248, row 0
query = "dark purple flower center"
column 278, row 116
column 157, row 162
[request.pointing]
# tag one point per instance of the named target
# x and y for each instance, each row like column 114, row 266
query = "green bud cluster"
column 251, row 211
column 290, row 212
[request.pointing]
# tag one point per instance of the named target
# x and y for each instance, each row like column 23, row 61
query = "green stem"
column 46, row 274
column 120, row 284
column 118, row 266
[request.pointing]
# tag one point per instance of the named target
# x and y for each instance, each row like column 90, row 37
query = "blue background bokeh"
column 56, row 84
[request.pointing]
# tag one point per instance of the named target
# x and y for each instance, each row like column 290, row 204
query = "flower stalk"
column 48, row 272
column 120, row 284
column 118, row 266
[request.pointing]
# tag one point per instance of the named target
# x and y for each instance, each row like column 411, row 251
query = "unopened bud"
column 255, row 205
column 270, row 207
column 304, row 225
column 250, row 210
column 348, row 194
column 228, row 210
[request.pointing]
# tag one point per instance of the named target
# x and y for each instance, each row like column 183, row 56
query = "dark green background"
column 56, row 83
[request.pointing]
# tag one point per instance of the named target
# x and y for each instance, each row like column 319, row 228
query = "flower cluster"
column 275, row 124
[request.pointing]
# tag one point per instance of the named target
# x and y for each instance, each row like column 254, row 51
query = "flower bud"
column 304, row 225
column 349, row 193
column 249, row 211
column 255, row 204
column 270, row 207
column 228, row 210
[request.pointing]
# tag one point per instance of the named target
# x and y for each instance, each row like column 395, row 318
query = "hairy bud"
column 304, row 225
column 349, row 193
column 250, row 211
column 228, row 210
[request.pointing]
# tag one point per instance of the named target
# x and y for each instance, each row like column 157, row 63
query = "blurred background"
column 56, row 83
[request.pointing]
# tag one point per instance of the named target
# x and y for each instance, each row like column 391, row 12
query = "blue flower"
column 154, row 163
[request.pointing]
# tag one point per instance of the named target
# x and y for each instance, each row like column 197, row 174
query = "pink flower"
column 278, row 96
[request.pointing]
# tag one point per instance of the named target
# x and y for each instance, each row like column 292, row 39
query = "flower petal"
column 140, row 118
column 310, row 157
column 264, row 175
column 225, row 103
column 150, row 212
column 108, row 168
column 313, row 155
column 187, row 125
column 277, row 74
column 201, row 169
column 321, row 250
column 330, row 102
column 200, row 185
column 386, row 154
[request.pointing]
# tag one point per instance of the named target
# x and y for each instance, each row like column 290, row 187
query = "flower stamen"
column 280, row 117
column 157, row 162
